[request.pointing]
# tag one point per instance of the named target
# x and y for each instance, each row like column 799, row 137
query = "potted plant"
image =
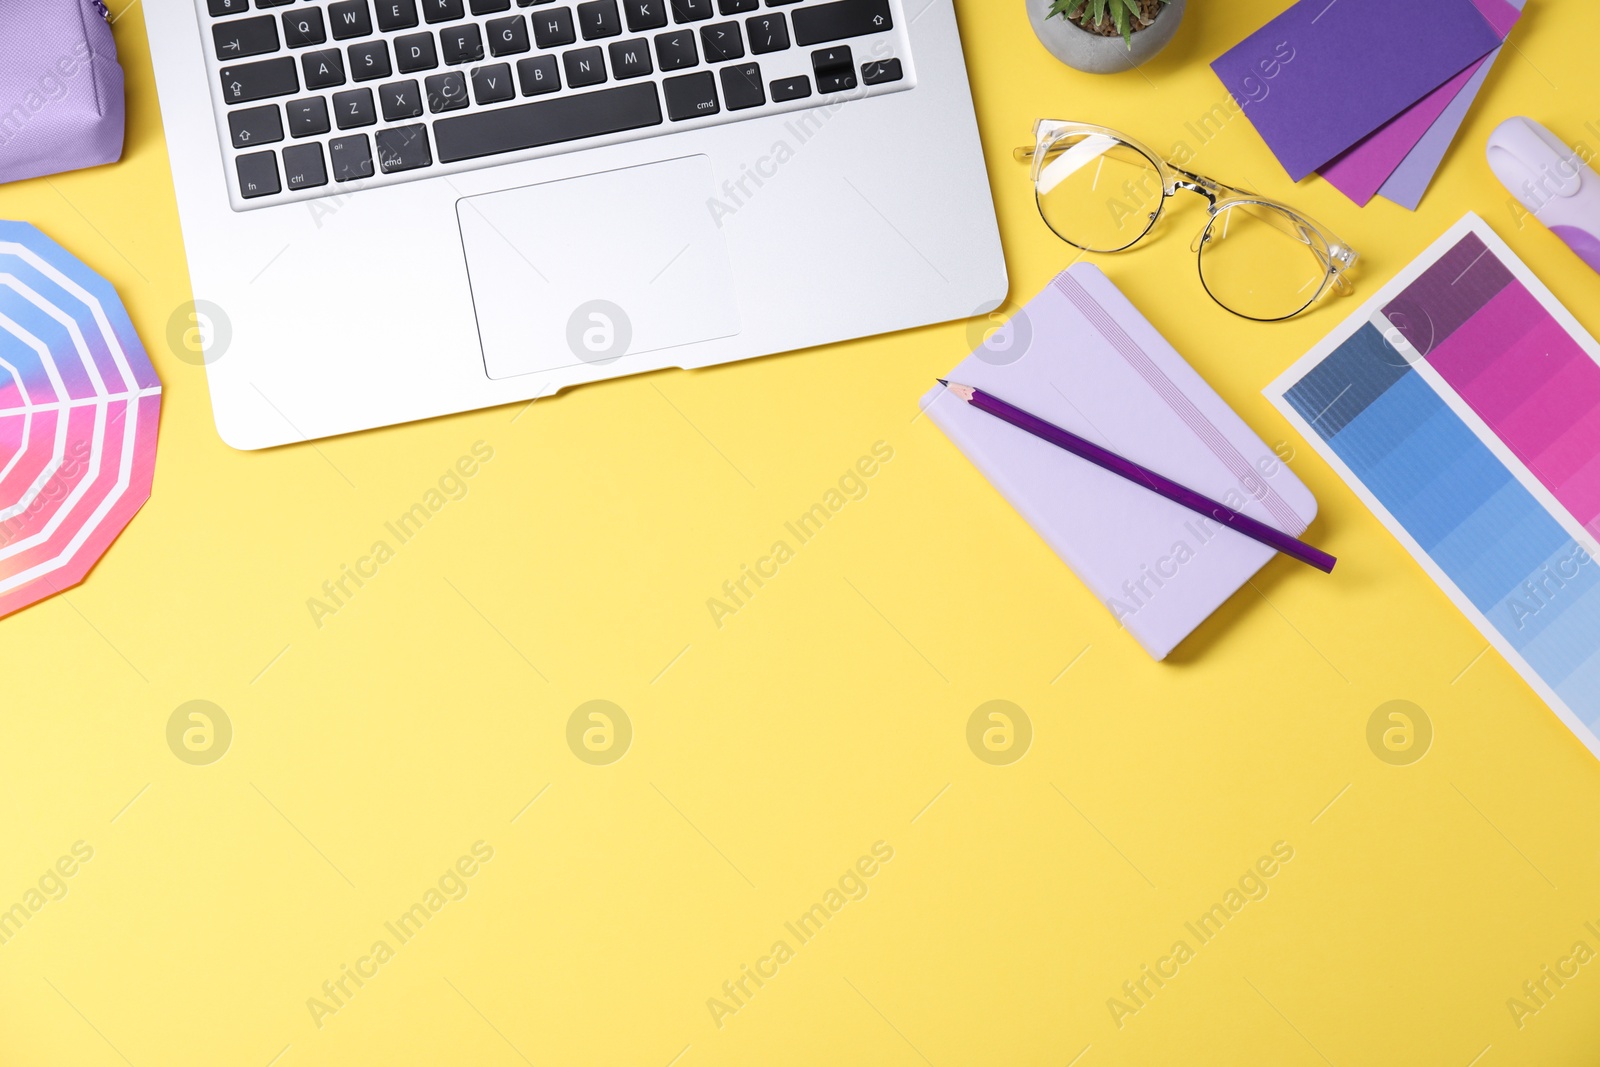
column 1104, row 36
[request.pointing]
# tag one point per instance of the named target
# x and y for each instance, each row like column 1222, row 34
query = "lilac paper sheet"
column 1345, row 68
column 1412, row 177
column 1361, row 171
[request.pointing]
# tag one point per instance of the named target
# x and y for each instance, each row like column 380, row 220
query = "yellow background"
column 768, row 755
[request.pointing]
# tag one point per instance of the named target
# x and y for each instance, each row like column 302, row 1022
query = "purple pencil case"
column 60, row 88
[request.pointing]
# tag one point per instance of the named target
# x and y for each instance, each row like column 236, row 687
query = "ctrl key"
column 258, row 174
column 302, row 166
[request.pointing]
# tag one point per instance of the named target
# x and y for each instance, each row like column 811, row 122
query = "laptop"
column 399, row 209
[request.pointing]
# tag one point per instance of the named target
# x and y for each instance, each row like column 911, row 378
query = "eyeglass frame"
column 1336, row 256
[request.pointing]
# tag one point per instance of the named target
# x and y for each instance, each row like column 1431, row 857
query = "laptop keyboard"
column 315, row 96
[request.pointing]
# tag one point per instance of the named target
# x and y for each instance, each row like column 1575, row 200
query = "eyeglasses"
column 1102, row 191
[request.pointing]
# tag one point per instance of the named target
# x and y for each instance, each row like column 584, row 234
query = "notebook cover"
column 1081, row 356
column 1341, row 70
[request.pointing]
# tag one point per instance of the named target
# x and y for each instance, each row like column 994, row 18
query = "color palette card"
column 1462, row 404
column 1363, row 170
column 1340, row 70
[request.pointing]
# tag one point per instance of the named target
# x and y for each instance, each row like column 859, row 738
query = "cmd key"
column 821, row 23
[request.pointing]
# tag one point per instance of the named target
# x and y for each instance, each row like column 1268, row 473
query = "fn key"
column 258, row 174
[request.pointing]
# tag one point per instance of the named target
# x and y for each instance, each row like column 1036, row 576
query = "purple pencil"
column 1144, row 476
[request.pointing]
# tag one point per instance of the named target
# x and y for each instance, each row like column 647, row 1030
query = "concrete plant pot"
column 1096, row 54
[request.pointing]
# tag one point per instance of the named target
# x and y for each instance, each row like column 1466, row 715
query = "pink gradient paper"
column 79, row 408
column 1526, row 376
column 1360, row 172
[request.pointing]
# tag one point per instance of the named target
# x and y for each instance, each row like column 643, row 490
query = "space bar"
column 547, row 122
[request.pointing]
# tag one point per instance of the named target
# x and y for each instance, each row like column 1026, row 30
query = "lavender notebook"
column 1081, row 356
column 1341, row 70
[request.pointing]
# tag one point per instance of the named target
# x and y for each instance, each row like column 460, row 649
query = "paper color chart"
column 1463, row 405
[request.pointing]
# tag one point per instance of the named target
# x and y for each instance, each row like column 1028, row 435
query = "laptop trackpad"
column 597, row 269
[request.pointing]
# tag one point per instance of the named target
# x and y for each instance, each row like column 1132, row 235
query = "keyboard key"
column 273, row 3
column 350, row 18
column 508, row 36
column 585, row 66
column 776, row 3
column 369, row 59
column 323, row 68
column 538, row 74
column 415, row 52
column 768, row 33
column 352, row 157
column 255, row 125
column 442, row 10
column 304, row 28
column 245, row 37
column 223, row 8
column 403, row 148
column 307, row 117
column 741, row 86
column 630, row 59
column 400, row 100
column 737, row 7
column 722, row 42
column 598, row 18
column 785, row 89
column 691, row 96
column 303, row 168
column 354, row 108
column 490, row 7
column 835, row 69
column 248, row 82
column 447, row 92
column 553, row 28
column 881, row 71
column 461, row 44
column 546, row 122
column 820, row 23
column 690, row 10
column 492, row 84
column 645, row 14
column 676, row 50
column 258, row 174
column 396, row 15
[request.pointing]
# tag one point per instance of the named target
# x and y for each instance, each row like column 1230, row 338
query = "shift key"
column 822, row 23
column 244, row 82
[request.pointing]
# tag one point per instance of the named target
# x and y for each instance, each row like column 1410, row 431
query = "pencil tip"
column 941, row 381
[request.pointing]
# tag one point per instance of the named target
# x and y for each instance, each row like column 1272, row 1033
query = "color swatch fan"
column 79, row 407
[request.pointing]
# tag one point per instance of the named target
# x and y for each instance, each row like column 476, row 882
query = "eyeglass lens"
column 1261, row 262
column 1097, row 192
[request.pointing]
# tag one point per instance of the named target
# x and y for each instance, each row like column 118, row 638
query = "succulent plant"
column 1122, row 14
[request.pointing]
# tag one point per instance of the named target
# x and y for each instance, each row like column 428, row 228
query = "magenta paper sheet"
column 79, row 406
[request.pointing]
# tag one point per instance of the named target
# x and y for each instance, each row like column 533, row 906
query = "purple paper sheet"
column 1361, row 171
column 1412, row 177
column 1339, row 69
